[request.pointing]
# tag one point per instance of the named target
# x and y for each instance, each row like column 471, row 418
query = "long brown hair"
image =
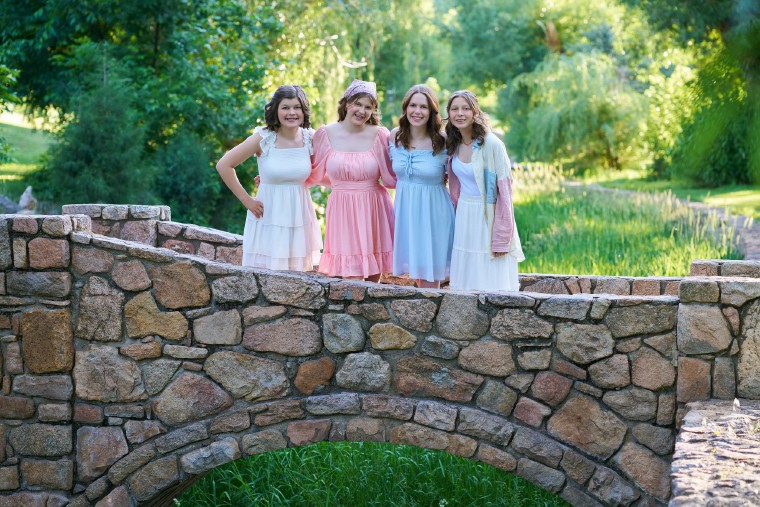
column 374, row 118
column 479, row 125
column 434, row 123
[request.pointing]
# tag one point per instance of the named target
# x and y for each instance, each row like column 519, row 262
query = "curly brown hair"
column 374, row 118
column 434, row 123
column 286, row 92
column 479, row 125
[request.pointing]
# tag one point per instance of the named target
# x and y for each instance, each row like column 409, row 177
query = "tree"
column 100, row 156
column 582, row 112
column 493, row 41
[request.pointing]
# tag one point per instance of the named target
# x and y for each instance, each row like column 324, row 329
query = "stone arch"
column 124, row 357
column 149, row 476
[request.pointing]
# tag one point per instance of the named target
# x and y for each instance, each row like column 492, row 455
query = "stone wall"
column 152, row 225
column 130, row 369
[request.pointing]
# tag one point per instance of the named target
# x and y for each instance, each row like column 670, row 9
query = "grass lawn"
column 580, row 231
column 738, row 199
column 27, row 147
column 362, row 474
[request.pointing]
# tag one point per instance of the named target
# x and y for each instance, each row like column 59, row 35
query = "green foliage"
column 186, row 179
column 582, row 112
column 495, row 40
column 718, row 142
column 100, row 155
column 690, row 20
column 367, row 474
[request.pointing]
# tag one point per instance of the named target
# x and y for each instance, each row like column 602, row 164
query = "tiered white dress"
column 473, row 265
column 287, row 236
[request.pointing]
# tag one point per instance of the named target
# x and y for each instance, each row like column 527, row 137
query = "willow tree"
column 582, row 112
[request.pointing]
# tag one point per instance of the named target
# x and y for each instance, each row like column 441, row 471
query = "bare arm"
column 226, row 169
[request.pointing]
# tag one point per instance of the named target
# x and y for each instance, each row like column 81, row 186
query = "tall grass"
column 576, row 231
column 362, row 474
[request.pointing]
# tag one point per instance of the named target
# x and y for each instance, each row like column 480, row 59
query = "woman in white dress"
column 281, row 229
column 486, row 244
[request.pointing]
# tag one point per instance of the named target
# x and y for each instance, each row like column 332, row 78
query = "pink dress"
column 359, row 214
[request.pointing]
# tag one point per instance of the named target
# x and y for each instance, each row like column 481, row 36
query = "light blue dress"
column 424, row 227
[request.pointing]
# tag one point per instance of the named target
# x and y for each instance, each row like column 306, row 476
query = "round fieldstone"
column 633, row 403
column 584, row 343
column 415, row 314
column 293, row 290
column 651, row 371
column 387, row 336
column 292, row 337
column 235, row 289
column 180, row 285
column 611, row 373
column 313, row 375
column 364, row 372
column 246, row 376
column 488, row 358
column 582, row 422
column 460, row 319
column 517, row 323
column 131, row 275
column 189, row 398
column 220, row 328
column 342, row 333
column 702, row 329
column 95, row 363
column 420, row 376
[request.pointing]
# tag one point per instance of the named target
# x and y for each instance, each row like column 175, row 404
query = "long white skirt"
column 287, row 237
column 473, row 266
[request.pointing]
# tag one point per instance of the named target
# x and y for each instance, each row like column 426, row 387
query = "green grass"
column 27, row 148
column 577, row 231
column 738, row 199
column 362, row 474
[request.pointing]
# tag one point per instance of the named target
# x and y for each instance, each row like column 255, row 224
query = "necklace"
column 467, row 144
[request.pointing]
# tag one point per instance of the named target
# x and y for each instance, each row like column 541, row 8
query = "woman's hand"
column 499, row 254
column 257, row 180
column 255, row 206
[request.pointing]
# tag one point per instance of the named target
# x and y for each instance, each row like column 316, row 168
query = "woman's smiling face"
column 460, row 113
column 359, row 111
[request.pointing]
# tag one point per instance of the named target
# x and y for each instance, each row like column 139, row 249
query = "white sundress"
column 287, row 236
column 473, row 265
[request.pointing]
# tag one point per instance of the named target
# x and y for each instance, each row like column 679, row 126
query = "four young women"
column 358, row 158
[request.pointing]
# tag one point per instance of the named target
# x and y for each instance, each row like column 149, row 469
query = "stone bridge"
column 137, row 356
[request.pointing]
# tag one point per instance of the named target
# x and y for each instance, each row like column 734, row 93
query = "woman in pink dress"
column 351, row 156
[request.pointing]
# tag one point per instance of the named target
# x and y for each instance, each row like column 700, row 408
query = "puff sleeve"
column 382, row 154
column 267, row 139
column 321, row 149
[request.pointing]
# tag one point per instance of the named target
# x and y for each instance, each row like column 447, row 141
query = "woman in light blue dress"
column 424, row 226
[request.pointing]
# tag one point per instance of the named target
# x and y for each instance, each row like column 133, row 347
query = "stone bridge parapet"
column 129, row 369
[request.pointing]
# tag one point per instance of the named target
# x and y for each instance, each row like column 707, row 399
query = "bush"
column 186, row 180
column 100, row 156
